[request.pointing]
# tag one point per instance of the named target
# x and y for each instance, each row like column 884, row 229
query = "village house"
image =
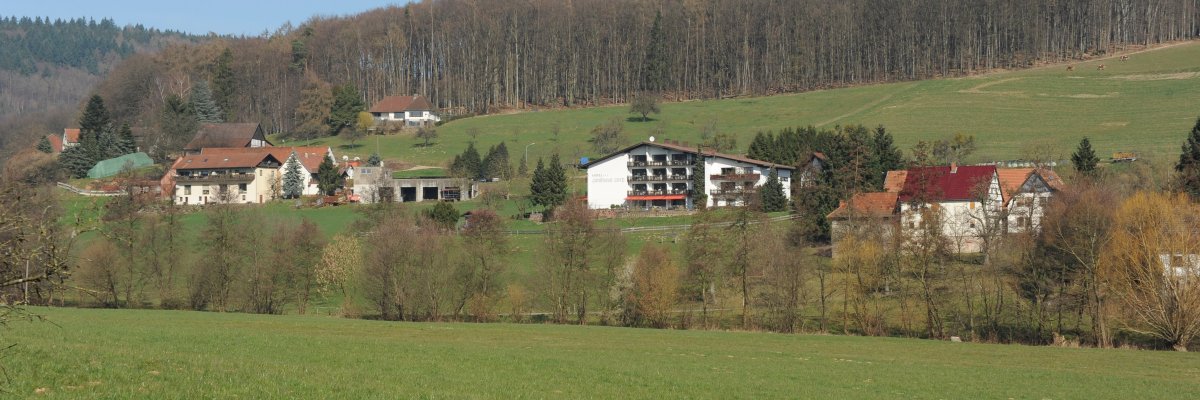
column 376, row 185
column 410, row 110
column 233, row 178
column 659, row 175
column 309, row 159
column 67, row 139
column 227, row 135
column 970, row 201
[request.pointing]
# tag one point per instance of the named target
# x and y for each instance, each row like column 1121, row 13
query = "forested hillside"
column 48, row 66
column 481, row 56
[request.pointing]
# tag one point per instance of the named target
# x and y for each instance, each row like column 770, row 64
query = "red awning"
column 658, row 197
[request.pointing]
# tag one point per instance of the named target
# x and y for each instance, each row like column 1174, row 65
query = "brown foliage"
column 655, row 287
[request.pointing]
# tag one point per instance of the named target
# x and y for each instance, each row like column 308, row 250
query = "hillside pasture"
column 1143, row 105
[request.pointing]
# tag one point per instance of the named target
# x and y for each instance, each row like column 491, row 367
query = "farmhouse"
column 309, row 158
column 238, row 178
column 659, row 175
column 227, row 135
column 184, row 171
column 411, row 110
column 59, row 142
column 969, row 202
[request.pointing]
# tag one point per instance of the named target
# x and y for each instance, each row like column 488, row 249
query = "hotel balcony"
column 733, row 192
column 668, row 192
column 660, row 178
column 663, row 163
column 747, row 177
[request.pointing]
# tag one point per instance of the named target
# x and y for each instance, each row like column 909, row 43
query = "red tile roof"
column 1011, row 180
column 309, row 157
column 939, row 184
column 222, row 161
column 71, row 134
column 402, row 103
column 56, row 143
column 893, row 182
column 878, row 204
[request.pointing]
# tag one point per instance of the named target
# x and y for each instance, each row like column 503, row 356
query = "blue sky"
column 237, row 17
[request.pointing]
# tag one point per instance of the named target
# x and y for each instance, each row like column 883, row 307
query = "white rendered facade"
column 652, row 175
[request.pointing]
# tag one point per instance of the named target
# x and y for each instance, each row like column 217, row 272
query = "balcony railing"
column 663, row 163
column 659, row 192
column 216, row 178
column 747, row 177
column 659, row 178
column 733, row 191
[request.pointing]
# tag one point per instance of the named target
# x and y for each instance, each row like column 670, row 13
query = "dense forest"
column 47, row 67
column 476, row 56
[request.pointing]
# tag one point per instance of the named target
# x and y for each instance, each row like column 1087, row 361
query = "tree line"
column 476, row 57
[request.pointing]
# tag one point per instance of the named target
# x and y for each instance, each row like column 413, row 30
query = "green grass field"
column 1146, row 104
column 178, row 354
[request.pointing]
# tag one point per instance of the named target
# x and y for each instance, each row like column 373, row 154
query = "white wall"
column 962, row 221
column 258, row 190
column 608, row 182
column 408, row 116
column 713, row 166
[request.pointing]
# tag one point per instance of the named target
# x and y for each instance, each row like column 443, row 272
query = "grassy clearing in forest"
column 181, row 354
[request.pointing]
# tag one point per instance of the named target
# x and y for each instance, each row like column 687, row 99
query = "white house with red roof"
column 411, row 110
column 967, row 199
column 659, row 175
column 237, row 178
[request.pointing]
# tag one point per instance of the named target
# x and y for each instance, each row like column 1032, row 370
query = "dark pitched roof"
column 691, row 150
column 870, row 205
column 402, row 103
column 225, row 135
column 939, row 184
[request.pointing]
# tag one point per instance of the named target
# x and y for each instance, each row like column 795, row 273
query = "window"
column 398, row 115
column 204, row 192
column 242, row 188
column 187, row 190
column 727, row 171
column 416, row 114
column 243, row 197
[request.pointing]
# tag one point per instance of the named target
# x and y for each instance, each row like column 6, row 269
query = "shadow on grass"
column 640, row 119
column 350, row 146
column 421, row 145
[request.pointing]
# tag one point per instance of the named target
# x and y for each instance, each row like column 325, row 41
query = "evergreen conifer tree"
column 374, row 160
column 1187, row 171
column 44, row 145
column 1084, row 159
column 76, row 161
column 886, row 156
column 537, row 185
column 699, row 197
column 556, row 179
column 762, row 148
column 95, row 118
column 523, row 169
column 655, row 66
column 293, row 182
column 125, row 143
column 472, row 165
column 328, row 178
column 223, row 83
column 773, row 198
column 347, row 103
column 203, row 104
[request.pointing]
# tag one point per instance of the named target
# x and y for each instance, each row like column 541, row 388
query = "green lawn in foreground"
column 1146, row 104
column 180, row 354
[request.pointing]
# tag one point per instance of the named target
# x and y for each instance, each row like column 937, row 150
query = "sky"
column 226, row 17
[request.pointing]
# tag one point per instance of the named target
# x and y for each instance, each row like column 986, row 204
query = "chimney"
column 954, row 167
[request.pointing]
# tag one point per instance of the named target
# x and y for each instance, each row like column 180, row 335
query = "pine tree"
column 293, row 182
column 886, row 157
column 1084, row 158
column 556, row 182
column 328, row 178
column 1188, row 169
column 223, row 83
column 472, row 165
column 655, row 67
column 125, row 143
column 762, row 148
column 203, row 104
column 699, row 197
column 76, row 161
column 538, row 185
column 374, row 160
column 523, row 169
column 95, row 118
column 347, row 103
column 44, row 145
column 773, row 198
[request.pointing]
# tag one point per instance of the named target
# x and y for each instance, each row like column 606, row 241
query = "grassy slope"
column 1130, row 106
column 174, row 354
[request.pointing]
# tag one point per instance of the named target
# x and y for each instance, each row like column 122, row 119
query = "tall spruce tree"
column 472, row 165
column 76, row 161
column 887, row 157
column 763, row 147
column 95, row 118
column 44, row 145
column 293, row 181
column 328, row 177
column 347, row 103
column 223, row 84
column 556, row 178
column 772, row 196
column 1187, row 171
column 655, row 67
column 1084, row 159
column 699, row 196
column 203, row 105
column 125, row 143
